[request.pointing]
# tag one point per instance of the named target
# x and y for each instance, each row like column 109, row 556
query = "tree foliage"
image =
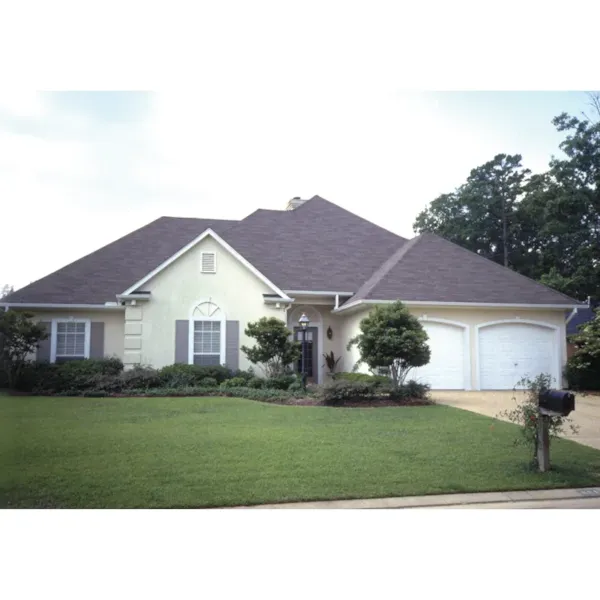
column 19, row 337
column 274, row 350
column 583, row 367
column 545, row 226
column 391, row 338
column 6, row 290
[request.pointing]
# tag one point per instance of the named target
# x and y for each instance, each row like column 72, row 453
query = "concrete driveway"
column 586, row 414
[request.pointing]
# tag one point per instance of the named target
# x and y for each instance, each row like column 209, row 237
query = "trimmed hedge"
column 189, row 375
column 362, row 377
column 264, row 395
column 341, row 391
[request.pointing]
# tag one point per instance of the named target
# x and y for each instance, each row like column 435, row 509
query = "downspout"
column 337, row 301
column 573, row 313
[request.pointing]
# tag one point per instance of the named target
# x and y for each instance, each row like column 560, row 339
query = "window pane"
column 70, row 339
column 207, row 337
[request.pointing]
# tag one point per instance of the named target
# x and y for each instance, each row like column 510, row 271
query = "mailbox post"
column 551, row 403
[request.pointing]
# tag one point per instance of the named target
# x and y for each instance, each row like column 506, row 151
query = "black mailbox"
column 557, row 401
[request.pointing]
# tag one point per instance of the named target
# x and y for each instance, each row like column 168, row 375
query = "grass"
column 200, row 452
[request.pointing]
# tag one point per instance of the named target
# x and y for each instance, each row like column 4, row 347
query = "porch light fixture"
column 303, row 321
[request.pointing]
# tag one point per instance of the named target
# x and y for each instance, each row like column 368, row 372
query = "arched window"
column 207, row 334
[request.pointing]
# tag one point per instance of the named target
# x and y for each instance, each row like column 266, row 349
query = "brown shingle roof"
column 316, row 247
column 432, row 269
column 99, row 276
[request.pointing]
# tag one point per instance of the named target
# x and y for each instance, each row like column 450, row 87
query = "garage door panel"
column 509, row 352
column 446, row 369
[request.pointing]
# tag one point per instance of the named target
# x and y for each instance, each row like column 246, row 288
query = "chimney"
column 295, row 203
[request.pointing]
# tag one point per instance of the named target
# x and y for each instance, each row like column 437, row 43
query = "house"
column 183, row 290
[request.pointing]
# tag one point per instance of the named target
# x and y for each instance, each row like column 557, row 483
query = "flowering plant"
column 526, row 414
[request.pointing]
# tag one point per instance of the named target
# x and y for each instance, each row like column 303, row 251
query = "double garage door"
column 504, row 354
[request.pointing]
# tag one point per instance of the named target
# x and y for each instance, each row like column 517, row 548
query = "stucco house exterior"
column 183, row 290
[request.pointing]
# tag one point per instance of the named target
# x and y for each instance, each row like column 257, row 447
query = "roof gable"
column 98, row 277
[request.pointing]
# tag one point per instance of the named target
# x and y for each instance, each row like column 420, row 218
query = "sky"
column 81, row 169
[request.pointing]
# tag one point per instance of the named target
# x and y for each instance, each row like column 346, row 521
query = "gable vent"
column 209, row 262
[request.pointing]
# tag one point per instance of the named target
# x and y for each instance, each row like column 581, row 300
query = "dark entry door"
column 312, row 353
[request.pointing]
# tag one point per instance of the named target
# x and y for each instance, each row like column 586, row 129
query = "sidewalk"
column 565, row 498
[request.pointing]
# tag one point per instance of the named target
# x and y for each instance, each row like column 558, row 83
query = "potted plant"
column 331, row 362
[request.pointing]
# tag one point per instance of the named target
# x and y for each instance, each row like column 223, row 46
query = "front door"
column 311, row 355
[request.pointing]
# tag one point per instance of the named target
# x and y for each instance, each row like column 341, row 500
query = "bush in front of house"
column 181, row 375
column 255, row 383
column 392, row 338
column 364, row 377
column 233, row 383
column 209, row 382
column 70, row 375
column 280, row 382
column 340, row 391
column 412, row 390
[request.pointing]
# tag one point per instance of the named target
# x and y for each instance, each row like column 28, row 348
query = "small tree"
column 274, row 350
column 393, row 339
column 19, row 337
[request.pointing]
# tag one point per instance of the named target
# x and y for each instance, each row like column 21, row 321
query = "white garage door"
column 446, row 369
column 510, row 351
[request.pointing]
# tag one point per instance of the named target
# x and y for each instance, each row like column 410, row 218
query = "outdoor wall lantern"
column 304, row 322
column 329, row 333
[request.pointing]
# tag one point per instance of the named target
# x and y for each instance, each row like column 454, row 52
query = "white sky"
column 310, row 106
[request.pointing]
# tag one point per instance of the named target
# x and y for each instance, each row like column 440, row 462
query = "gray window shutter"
column 43, row 351
column 97, row 339
column 232, row 345
column 182, row 340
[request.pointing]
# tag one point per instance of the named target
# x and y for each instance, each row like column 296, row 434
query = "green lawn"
column 186, row 452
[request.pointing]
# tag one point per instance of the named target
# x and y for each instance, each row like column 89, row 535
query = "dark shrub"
column 256, row 383
column 412, row 389
column 583, row 371
column 340, row 391
column 364, row 377
column 233, row 382
column 281, row 382
column 179, row 375
column 71, row 375
column 140, row 378
column 209, row 382
column 245, row 375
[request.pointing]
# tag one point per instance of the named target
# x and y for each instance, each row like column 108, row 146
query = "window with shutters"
column 208, row 262
column 207, row 335
column 70, row 340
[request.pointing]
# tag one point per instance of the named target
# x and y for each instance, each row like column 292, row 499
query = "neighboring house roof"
column 432, row 269
column 319, row 246
column 582, row 316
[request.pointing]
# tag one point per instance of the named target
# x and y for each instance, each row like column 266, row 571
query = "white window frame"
column 193, row 318
column 202, row 262
column 54, row 336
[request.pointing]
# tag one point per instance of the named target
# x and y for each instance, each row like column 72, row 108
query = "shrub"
column 412, row 389
column 139, row 378
column 181, row 375
column 295, row 387
column 209, row 382
column 391, row 337
column 245, row 375
column 281, row 382
column 583, row 367
column 233, row 382
column 256, row 383
column 340, row 391
column 274, row 350
column 526, row 414
column 19, row 337
column 364, row 377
